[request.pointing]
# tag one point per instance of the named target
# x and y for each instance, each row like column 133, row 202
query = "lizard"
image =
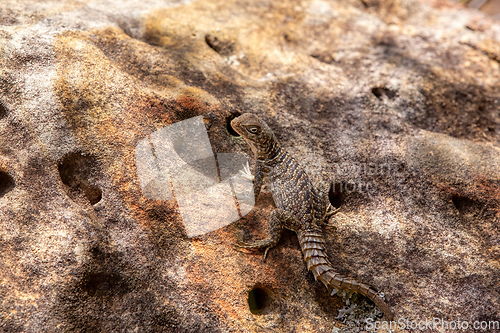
column 300, row 207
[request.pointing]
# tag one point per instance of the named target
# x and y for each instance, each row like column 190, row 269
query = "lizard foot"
column 246, row 174
column 331, row 211
column 329, row 226
column 264, row 243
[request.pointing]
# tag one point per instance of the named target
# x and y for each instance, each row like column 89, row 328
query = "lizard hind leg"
column 277, row 220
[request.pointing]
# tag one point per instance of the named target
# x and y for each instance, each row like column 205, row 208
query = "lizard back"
column 291, row 188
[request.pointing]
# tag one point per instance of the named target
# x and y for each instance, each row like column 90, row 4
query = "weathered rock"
column 395, row 102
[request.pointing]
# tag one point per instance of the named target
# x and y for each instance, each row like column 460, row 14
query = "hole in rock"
column 324, row 57
column 3, row 110
column 258, row 300
column 335, row 195
column 380, row 92
column 223, row 47
column 104, row 283
column 230, row 128
column 465, row 206
column 78, row 173
column 6, row 183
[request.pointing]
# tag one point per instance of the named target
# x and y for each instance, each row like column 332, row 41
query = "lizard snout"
column 235, row 124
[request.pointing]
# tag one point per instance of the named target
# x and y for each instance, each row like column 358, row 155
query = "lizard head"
column 257, row 134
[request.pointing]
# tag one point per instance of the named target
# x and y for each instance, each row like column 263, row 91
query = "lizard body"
column 300, row 207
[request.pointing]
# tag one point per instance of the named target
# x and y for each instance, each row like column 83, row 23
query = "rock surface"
column 395, row 102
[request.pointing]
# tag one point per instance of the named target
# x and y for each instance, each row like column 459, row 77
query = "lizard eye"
column 253, row 129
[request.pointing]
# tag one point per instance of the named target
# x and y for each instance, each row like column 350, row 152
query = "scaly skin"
column 300, row 207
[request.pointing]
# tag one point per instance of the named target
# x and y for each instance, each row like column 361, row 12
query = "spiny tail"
column 313, row 248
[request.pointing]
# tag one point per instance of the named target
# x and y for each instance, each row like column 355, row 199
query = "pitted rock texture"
column 395, row 103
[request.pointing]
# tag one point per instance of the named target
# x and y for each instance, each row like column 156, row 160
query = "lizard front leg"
column 258, row 180
column 277, row 220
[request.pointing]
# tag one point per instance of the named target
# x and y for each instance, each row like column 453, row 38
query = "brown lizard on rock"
column 300, row 207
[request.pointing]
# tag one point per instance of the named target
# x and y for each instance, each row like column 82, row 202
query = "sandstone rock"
column 394, row 102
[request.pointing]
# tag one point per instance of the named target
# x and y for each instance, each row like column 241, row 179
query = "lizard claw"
column 330, row 226
column 265, row 253
column 246, row 174
column 331, row 211
column 259, row 244
column 239, row 247
column 243, row 245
